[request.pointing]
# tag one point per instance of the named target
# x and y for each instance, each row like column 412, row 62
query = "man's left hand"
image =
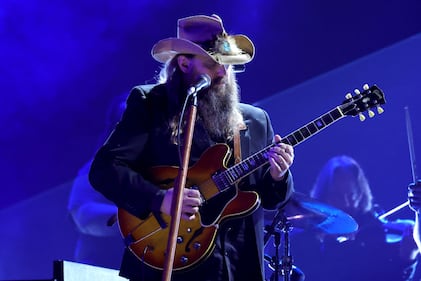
column 281, row 157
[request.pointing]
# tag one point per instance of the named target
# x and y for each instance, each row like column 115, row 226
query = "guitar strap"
column 237, row 143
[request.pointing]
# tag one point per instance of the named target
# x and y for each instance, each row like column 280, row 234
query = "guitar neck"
column 253, row 162
column 313, row 127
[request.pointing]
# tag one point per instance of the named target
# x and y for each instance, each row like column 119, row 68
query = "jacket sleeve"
column 273, row 194
column 113, row 171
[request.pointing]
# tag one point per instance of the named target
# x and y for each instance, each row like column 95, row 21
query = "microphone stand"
column 286, row 263
column 178, row 191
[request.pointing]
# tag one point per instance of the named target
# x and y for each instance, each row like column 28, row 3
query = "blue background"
column 63, row 63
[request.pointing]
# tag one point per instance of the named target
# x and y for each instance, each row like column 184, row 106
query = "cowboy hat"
column 205, row 35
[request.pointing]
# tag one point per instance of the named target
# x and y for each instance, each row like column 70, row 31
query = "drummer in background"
column 365, row 255
column 414, row 197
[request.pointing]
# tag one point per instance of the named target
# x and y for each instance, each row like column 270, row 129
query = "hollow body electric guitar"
column 147, row 238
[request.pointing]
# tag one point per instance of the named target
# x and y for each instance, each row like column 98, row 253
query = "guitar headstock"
column 367, row 100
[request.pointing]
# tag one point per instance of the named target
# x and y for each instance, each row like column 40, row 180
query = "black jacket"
column 141, row 140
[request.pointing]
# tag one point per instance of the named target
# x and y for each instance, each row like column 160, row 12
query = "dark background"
column 62, row 63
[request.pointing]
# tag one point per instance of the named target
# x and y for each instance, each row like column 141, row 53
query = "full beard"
column 218, row 109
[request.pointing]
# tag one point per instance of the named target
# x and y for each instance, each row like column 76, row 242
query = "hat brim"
column 166, row 49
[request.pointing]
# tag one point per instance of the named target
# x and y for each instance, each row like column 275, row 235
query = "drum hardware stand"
column 286, row 263
column 413, row 163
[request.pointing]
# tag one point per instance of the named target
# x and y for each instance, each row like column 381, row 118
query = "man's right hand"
column 191, row 201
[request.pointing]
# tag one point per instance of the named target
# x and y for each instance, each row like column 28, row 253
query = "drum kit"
column 305, row 213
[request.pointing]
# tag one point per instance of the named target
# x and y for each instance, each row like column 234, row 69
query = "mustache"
column 219, row 81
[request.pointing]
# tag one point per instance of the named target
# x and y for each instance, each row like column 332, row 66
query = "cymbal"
column 304, row 212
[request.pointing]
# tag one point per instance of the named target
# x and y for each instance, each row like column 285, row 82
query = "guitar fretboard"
column 238, row 171
column 313, row 127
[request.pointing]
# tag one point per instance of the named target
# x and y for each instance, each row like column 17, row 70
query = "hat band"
column 224, row 45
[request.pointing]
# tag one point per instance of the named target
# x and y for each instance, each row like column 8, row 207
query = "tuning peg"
column 366, row 87
column 370, row 113
column 348, row 96
column 380, row 110
column 357, row 92
column 362, row 117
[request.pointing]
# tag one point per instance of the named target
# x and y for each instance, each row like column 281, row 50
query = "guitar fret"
column 320, row 124
column 286, row 140
column 291, row 139
column 262, row 157
column 234, row 173
column 237, row 171
column 327, row 119
column 226, row 181
column 305, row 132
column 298, row 136
column 230, row 174
column 252, row 162
column 245, row 166
column 336, row 113
column 312, row 128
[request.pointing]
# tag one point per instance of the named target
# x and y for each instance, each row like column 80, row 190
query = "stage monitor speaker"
column 73, row 271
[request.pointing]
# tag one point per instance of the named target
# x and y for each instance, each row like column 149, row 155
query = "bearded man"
column 220, row 235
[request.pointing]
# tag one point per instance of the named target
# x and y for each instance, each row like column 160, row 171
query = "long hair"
column 170, row 74
column 170, row 71
column 361, row 191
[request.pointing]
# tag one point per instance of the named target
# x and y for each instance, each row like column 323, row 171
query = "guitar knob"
column 371, row 113
column 366, row 87
column 380, row 109
column 197, row 245
column 180, row 239
column 362, row 117
column 184, row 259
column 357, row 92
column 348, row 96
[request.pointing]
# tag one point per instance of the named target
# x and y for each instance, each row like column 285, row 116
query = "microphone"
column 203, row 83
